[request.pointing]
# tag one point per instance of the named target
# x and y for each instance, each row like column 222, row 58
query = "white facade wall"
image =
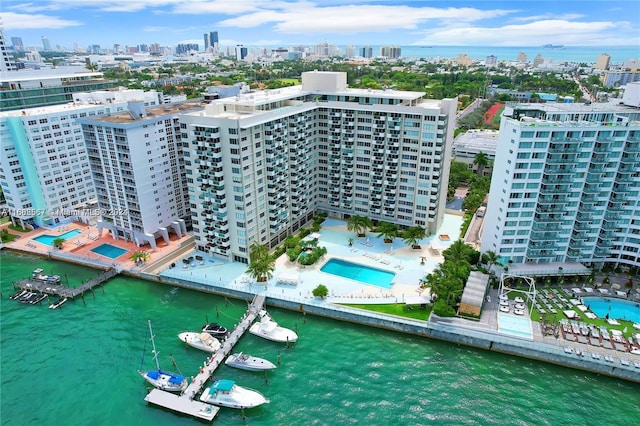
column 566, row 187
column 262, row 165
column 139, row 173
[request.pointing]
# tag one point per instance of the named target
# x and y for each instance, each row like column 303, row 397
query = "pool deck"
column 218, row 276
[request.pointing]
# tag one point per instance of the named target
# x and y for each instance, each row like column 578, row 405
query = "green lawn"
column 4, row 220
column 289, row 80
column 398, row 309
column 19, row 229
column 7, row 238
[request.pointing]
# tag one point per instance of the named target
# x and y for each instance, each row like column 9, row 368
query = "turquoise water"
column 48, row 239
column 355, row 271
column 516, row 326
column 616, row 308
column 77, row 366
column 109, row 251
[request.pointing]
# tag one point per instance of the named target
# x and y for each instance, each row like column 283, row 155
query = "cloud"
column 304, row 18
column 531, row 34
column 21, row 21
column 547, row 16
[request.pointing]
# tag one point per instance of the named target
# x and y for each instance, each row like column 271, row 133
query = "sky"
column 284, row 23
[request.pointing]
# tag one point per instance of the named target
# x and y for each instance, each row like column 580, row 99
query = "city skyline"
column 258, row 22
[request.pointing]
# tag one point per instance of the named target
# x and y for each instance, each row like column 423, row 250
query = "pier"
column 185, row 402
column 57, row 289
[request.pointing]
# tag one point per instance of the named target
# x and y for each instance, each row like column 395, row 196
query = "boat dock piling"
column 185, row 402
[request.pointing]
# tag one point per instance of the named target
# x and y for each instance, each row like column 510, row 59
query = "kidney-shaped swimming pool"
column 355, row 271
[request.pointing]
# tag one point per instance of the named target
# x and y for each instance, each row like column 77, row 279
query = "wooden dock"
column 186, row 402
column 62, row 291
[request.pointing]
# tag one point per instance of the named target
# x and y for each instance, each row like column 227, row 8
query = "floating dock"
column 185, row 403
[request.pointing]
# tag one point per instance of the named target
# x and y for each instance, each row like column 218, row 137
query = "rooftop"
column 47, row 74
column 152, row 113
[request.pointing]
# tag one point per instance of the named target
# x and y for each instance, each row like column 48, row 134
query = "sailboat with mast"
column 161, row 379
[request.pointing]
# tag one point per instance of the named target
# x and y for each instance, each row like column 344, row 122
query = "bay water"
column 76, row 365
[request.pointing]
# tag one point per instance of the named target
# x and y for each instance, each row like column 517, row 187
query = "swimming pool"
column 616, row 308
column 47, row 239
column 515, row 326
column 109, row 251
column 354, row 271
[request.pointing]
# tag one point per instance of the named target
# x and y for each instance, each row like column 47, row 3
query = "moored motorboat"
column 61, row 301
column 39, row 298
column 160, row 379
column 18, row 294
column 215, row 330
column 248, row 362
column 225, row 393
column 268, row 329
column 28, row 297
column 203, row 341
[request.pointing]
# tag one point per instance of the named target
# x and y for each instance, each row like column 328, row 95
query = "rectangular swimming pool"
column 108, row 250
column 354, row 271
column 515, row 326
column 47, row 239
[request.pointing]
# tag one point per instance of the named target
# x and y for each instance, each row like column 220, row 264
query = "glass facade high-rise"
column 566, row 185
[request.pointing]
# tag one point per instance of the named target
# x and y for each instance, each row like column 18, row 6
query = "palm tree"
column 359, row 225
column 388, row 231
column 58, row 242
column 491, row 259
column 139, row 257
column 414, row 234
column 481, row 160
column 261, row 263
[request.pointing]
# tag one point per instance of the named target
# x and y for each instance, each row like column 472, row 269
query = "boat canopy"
column 176, row 379
column 153, row 375
column 222, row 385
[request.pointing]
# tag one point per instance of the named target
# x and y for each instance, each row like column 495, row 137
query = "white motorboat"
column 225, row 393
column 518, row 311
column 160, row 379
column 203, row 341
column 519, row 306
column 248, row 362
column 268, row 329
column 504, row 309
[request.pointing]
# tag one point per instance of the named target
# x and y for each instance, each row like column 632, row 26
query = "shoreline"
column 443, row 329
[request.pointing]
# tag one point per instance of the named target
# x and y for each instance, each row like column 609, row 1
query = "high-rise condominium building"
column 566, row 185
column 6, row 63
column 44, row 167
column 138, row 170
column 602, row 63
column 391, row 52
column 46, row 44
column 261, row 164
column 366, row 51
column 18, row 46
column 36, row 88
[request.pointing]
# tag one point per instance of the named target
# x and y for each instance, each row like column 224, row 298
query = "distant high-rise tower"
column 6, row 64
column 491, row 60
column 241, row 52
column 522, row 58
column 46, row 44
column 206, row 42
column 391, row 52
column 602, row 63
column 213, row 40
column 17, row 44
column 350, row 51
column 366, row 51
column 537, row 61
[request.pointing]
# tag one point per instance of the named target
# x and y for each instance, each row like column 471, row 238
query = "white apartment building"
column 44, row 167
column 261, row 164
column 566, row 185
column 137, row 165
